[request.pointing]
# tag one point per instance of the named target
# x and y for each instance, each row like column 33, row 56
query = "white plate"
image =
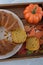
column 18, row 1
column 16, row 49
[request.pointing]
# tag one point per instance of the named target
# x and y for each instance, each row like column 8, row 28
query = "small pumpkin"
column 33, row 13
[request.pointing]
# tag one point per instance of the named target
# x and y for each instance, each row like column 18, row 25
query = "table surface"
column 24, row 1
column 36, row 61
column 18, row 1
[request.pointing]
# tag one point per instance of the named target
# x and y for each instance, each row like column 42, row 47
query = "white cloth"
column 36, row 61
column 25, row 1
column 18, row 1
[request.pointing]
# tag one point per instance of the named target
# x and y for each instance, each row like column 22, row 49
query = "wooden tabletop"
column 19, row 11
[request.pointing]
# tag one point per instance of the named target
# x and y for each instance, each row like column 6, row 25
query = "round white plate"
column 16, row 49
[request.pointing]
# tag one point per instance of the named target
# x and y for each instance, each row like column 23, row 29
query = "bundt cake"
column 7, row 21
column 6, row 46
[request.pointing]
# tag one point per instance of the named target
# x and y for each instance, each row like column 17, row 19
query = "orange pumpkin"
column 33, row 13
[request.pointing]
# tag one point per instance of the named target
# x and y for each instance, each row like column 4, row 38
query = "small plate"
column 16, row 49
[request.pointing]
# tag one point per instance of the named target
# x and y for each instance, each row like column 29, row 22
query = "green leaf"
column 29, row 52
column 41, row 51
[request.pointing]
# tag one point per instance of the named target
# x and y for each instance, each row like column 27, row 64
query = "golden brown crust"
column 6, row 46
column 32, row 43
column 19, row 36
column 8, row 21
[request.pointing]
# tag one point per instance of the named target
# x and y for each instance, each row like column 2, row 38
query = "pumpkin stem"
column 34, row 10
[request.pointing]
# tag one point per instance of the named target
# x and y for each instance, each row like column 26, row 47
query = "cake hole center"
column 4, row 34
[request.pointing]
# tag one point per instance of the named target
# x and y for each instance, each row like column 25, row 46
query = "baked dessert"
column 32, row 43
column 19, row 36
column 9, row 23
column 6, row 46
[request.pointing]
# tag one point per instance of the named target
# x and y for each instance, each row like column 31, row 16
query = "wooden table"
column 18, row 9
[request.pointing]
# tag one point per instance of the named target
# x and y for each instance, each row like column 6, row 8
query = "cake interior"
column 4, row 34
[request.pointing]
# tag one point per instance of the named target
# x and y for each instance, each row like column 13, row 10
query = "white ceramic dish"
column 16, row 49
